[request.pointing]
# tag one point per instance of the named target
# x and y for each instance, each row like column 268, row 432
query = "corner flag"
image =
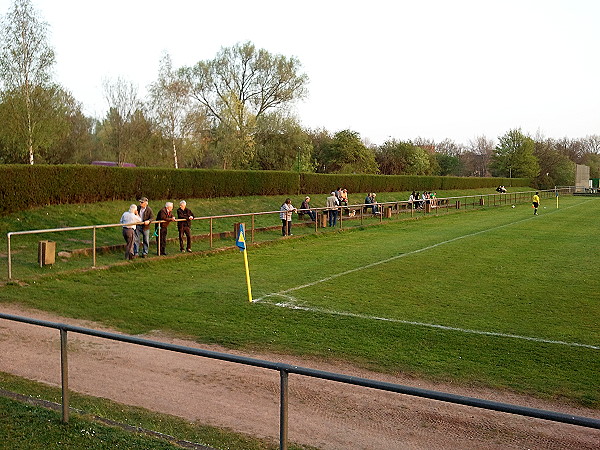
column 241, row 243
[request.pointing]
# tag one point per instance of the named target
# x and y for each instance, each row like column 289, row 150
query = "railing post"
column 210, row 232
column 9, row 257
column 64, row 375
column 94, row 247
column 252, row 235
column 283, row 410
column 158, row 240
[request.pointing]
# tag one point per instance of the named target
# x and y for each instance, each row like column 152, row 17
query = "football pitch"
column 495, row 297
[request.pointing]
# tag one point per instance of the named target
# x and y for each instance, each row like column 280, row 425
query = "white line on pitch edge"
column 432, row 325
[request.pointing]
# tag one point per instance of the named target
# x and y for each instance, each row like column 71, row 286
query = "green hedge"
column 25, row 186
column 320, row 183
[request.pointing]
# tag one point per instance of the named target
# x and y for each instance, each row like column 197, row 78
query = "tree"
column 170, row 105
column 481, row 149
column 26, row 60
column 572, row 148
column 51, row 108
column 556, row 169
column 282, row 144
column 514, row 157
column 448, row 147
column 346, row 153
column 448, row 164
column 591, row 144
column 240, row 85
column 403, row 158
column 123, row 102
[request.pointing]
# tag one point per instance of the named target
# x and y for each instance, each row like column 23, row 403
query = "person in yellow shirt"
column 536, row 203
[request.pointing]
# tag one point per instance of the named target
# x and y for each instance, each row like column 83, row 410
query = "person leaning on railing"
column 129, row 219
column 286, row 217
column 166, row 215
column 332, row 204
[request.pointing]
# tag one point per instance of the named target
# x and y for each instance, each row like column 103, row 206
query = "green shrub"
column 25, row 186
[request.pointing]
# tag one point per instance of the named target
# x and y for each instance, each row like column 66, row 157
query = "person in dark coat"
column 183, row 212
column 165, row 214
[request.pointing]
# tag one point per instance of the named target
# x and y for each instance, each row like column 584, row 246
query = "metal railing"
column 284, row 371
column 386, row 211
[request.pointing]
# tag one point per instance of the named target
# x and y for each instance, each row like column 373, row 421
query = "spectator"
column 305, row 209
column 165, row 214
column 286, row 217
column 128, row 220
column 344, row 199
column 143, row 230
column 411, row 199
column 332, row 204
column 375, row 206
column 183, row 212
column 371, row 203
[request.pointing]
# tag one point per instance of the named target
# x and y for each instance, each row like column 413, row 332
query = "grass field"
column 493, row 297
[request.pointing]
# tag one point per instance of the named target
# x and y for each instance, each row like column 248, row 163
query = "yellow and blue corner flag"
column 241, row 241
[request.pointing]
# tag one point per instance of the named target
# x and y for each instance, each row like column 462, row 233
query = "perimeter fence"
column 210, row 232
column 284, row 371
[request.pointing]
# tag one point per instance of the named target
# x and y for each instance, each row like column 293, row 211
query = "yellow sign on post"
column 241, row 243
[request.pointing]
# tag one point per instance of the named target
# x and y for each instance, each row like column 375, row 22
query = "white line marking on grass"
column 432, row 325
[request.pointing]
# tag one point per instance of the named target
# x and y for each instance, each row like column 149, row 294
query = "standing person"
column 535, row 200
column 305, row 209
column 286, row 217
column 332, row 209
column 143, row 230
column 344, row 199
column 128, row 220
column 183, row 212
column 165, row 214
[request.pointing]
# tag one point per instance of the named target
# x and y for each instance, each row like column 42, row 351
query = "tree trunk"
column 175, row 153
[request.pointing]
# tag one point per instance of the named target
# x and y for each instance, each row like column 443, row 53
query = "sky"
column 431, row 69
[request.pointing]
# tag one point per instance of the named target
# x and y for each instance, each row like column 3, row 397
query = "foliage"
column 448, row 164
column 281, row 144
column 555, row 167
column 239, row 86
column 21, row 185
column 26, row 61
column 514, row 156
column 346, row 153
column 170, row 105
column 398, row 157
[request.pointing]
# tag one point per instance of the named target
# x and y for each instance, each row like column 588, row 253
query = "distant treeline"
column 27, row 186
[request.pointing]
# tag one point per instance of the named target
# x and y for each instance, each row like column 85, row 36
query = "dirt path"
column 324, row 414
